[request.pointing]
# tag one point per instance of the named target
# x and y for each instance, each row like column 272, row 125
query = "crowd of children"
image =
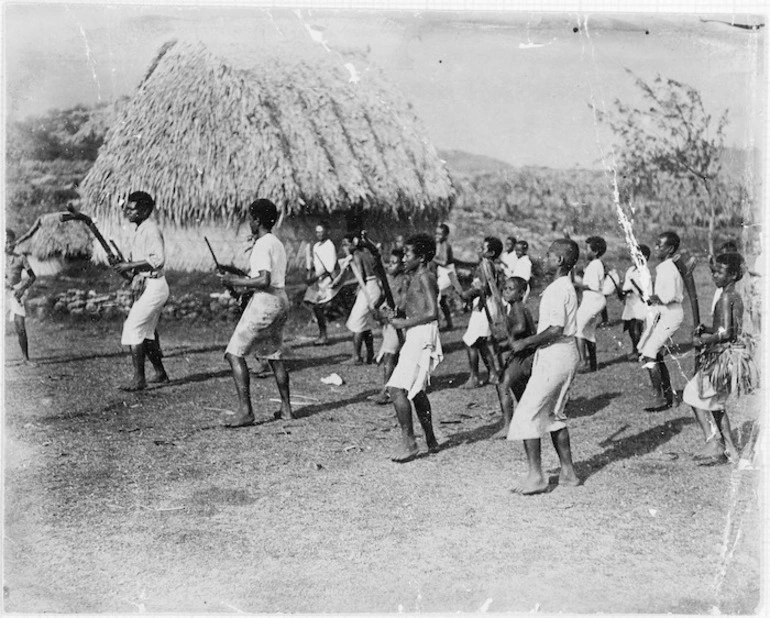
column 531, row 362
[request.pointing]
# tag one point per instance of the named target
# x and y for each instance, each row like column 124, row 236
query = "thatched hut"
column 53, row 243
column 322, row 140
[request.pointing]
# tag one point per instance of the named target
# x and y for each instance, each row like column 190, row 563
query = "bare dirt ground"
column 119, row 502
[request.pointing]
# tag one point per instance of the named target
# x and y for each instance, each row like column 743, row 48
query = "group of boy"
column 532, row 363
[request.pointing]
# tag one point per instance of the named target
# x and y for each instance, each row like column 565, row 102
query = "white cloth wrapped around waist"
column 418, row 358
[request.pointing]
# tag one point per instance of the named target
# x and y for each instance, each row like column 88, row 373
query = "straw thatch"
column 53, row 239
column 206, row 137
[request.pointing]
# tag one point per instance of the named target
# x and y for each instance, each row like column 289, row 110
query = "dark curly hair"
column 264, row 211
column 424, row 246
column 598, row 245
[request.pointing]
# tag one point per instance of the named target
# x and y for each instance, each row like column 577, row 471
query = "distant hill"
column 466, row 164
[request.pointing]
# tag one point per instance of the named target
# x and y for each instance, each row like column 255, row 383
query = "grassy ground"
column 118, row 502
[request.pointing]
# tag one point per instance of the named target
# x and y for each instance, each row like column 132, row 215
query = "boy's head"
column 510, row 243
column 418, row 249
column 399, row 242
column 263, row 212
column 667, row 245
column 597, row 245
column 322, row 231
column 138, row 206
column 562, row 255
column 645, row 251
column 350, row 242
column 729, row 246
column 493, row 247
column 514, row 289
column 442, row 232
column 10, row 240
column 521, row 248
column 727, row 267
column 396, row 261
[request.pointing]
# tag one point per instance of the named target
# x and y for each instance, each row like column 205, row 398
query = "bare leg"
column 422, row 408
column 358, row 342
column 567, row 476
column 21, row 331
column 154, row 354
column 388, row 365
column 368, row 338
column 282, row 380
column 138, row 382
column 635, row 332
column 473, row 363
column 534, row 482
column 591, row 352
column 320, row 317
column 505, row 396
column 446, row 311
column 720, row 416
column 243, row 389
column 665, row 383
column 490, row 360
column 408, row 449
column 658, row 401
column 581, row 346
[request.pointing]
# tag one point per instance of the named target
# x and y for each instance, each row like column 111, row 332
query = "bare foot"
column 159, row 378
column 493, row 379
column 732, row 453
column 711, row 449
column 568, row 478
column 472, row 382
column 406, row 453
column 133, row 386
column 241, row 421
column 502, row 434
column 380, row 399
column 321, row 341
column 355, row 360
column 284, row 413
column 528, row 485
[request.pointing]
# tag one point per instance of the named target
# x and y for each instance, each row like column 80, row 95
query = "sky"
column 513, row 85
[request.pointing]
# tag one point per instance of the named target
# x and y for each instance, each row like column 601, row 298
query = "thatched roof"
column 53, row 239
column 206, row 137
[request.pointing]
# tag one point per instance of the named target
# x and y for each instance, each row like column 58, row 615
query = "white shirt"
column 508, row 261
column 593, row 276
column 324, row 257
column 669, row 286
column 558, row 307
column 147, row 244
column 523, row 268
column 269, row 255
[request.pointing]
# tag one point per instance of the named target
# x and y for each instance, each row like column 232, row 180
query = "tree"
column 670, row 137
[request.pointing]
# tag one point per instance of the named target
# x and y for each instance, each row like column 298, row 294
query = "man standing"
column 322, row 267
column 149, row 289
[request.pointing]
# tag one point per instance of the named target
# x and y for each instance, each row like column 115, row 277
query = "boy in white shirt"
column 665, row 319
column 260, row 328
column 592, row 303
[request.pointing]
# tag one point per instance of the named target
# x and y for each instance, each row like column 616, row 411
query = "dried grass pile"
column 206, row 137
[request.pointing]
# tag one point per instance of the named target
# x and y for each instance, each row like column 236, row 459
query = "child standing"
column 592, row 303
column 517, row 367
column 260, row 328
column 636, row 291
column 388, row 353
column 421, row 351
column 445, row 272
column 703, row 392
column 361, row 319
column 478, row 335
column 664, row 320
column 541, row 408
column 509, row 257
column 16, row 286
